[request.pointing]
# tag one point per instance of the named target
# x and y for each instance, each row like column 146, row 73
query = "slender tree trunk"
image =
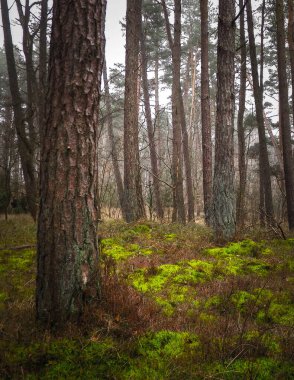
column 25, row 146
column 132, row 173
column 114, row 154
column 153, row 153
column 67, row 228
column 284, row 113
column 264, row 167
column 240, row 123
column 179, row 213
column 205, row 114
column 224, row 205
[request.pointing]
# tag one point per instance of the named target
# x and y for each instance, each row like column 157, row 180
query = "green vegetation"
column 174, row 307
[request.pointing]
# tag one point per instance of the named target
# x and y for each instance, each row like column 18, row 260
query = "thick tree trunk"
column 25, row 146
column 132, row 172
column 291, row 46
column 150, row 131
column 240, row 123
column 264, row 167
column 284, row 113
column 224, row 205
column 67, row 228
column 114, row 154
column 205, row 114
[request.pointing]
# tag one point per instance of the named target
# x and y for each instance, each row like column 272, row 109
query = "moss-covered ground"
column 174, row 306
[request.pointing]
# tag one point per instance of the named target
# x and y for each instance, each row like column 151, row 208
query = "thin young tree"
column 133, row 197
column 205, row 114
column 67, row 249
column 223, row 204
column 284, row 112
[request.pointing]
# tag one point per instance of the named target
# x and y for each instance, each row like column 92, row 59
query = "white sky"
column 115, row 41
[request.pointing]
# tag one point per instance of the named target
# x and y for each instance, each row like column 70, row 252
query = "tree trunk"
column 25, row 146
column 224, row 205
column 132, row 173
column 114, row 155
column 67, row 228
column 240, row 123
column 291, row 46
column 153, row 153
column 264, row 167
column 179, row 213
column 284, row 113
column 205, row 114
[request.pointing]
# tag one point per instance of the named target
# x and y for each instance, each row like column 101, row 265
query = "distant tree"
column 223, row 205
column 25, row 141
column 284, row 112
column 132, row 171
column 67, row 251
column 150, row 129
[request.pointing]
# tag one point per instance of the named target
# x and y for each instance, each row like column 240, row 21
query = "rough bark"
column 42, row 65
column 25, row 145
column 132, row 173
column 284, row 113
column 264, row 167
column 240, row 126
column 150, row 131
column 224, row 205
column 113, row 148
column 67, row 248
column 205, row 114
column 291, row 46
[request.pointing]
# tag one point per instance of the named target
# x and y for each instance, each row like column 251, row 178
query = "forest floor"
column 174, row 305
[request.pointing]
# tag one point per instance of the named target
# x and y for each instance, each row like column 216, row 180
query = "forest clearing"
column 174, row 306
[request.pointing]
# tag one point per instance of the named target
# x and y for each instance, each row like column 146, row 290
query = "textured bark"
column 67, row 228
column 179, row 213
column 240, row 124
column 223, row 210
column 284, row 113
column 25, row 145
column 205, row 114
column 132, row 173
column 291, row 46
column 42, row 65
column 264, row 167
column 114, row 154
column 152, row 147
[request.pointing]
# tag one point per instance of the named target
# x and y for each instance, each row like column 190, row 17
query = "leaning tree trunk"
column 132, row 171
column 284, row 113
column 205, row 114
column 240, row 125
column 67, row 228
column 25, row 146
column 223, row 206
column 264, row 166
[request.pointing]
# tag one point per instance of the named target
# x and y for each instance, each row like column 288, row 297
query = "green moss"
column 247, row 248
column 241, row 299
column 119, row 252
column 170, row 237
column 260, row 369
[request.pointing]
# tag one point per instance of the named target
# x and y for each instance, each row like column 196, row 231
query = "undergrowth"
column 173, row 306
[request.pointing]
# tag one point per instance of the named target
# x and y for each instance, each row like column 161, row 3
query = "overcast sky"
column 116, row 10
